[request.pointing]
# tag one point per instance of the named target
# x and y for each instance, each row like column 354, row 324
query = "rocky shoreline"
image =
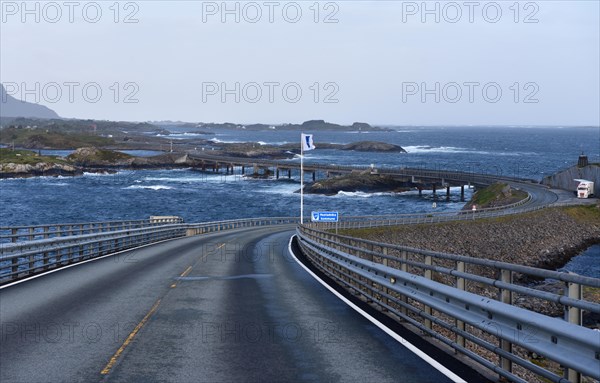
column 41, row 169
column 95, row 159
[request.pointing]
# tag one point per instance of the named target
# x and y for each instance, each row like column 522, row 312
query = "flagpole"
column 301, row 180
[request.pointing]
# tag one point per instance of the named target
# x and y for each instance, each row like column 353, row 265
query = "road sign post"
column 324, row 216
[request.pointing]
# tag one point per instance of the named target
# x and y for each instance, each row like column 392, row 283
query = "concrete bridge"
column 267, row 299
column 412, row 177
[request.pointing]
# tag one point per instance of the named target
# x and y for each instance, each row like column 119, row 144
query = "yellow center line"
column 129, row 339
column 186, row 272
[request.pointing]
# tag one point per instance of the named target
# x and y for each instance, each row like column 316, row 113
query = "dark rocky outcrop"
column 373, row 146
column 356, row 182
column 94, row 158
column 360, row 146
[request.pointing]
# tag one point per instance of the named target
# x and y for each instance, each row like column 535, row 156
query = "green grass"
column 587, row 213
column 99, row 156
column 26, row 157
column 483, row 198
column 582, row 213
column 487, row 195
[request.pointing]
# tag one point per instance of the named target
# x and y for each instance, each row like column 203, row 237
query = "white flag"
column 307, row 142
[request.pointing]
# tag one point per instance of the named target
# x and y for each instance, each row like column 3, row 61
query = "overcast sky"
column 382, row 62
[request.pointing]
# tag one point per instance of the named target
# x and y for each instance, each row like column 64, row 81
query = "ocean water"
column 529, row 152
column 587, row 263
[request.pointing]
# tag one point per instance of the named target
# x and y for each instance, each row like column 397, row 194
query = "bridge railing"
column 25, row 258
column 472, row 177
column 38, row 232
column 469, row 304
column 211, row 227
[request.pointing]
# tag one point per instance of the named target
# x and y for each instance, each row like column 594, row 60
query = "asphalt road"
column 217, row 308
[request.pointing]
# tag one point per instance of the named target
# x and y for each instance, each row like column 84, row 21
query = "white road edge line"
column 432, row 362
column 83, row 262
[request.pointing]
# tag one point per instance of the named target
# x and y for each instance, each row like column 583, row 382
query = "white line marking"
column 435, row 364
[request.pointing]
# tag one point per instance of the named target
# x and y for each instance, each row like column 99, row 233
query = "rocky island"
column 24, row 163
column 365, row 181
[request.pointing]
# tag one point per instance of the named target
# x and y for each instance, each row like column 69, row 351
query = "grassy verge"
column 498, row 194
column 589, row 214
column 26, row 157
column 94, row 155
column 584, row 214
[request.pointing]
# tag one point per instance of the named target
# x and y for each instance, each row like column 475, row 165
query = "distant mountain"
column 12, row 107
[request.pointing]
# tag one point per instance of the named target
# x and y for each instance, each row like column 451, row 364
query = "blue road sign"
column 324, row 216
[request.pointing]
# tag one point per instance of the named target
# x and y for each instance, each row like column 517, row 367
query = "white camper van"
column 585, row 189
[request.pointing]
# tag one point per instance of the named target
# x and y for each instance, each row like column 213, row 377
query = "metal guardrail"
column 435, row 292
column 356, row 222
column 359, row 222
column 211, row 227
column 22, row 259
column 37, row 232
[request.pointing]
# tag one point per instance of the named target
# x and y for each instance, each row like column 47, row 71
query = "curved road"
column 232, row 306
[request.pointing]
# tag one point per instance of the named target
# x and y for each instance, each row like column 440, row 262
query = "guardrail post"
column 506, row 296
column 13, row 232
column 404, row 268
column 385, row 300
column 31, row 264
column 573, row 315
column 428, row 274
column 460, row 284
column 15, row 267
column 31, row 234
